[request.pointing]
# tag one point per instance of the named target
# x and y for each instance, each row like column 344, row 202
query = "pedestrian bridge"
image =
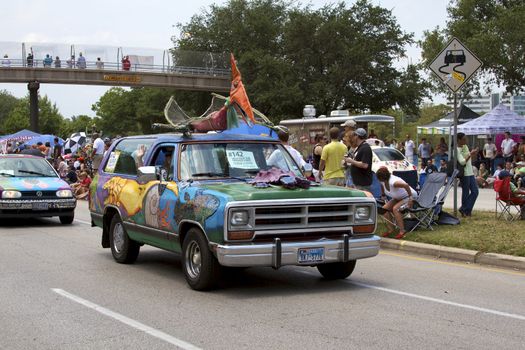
column 176, row 69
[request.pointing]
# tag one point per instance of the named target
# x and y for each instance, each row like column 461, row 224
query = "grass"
column 481, row 232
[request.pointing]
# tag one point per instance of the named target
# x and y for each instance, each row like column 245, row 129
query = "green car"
column 222, row 199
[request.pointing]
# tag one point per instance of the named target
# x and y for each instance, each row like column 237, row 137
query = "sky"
column 145, row 24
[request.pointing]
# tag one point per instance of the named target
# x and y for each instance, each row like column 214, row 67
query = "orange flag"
column 238, row 93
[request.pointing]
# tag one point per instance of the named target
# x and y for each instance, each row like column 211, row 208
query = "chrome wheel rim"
column 193, row 259
column 118, row 237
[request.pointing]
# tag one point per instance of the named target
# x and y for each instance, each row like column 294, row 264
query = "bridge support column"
column 33, row 87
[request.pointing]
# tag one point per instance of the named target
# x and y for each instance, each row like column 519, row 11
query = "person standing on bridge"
column 71, row 62
column 81, row 62
column 6, row 62
column 58, row 63
column 48, row 61
column 126, row 63
column 100, row 64
column 30, row 59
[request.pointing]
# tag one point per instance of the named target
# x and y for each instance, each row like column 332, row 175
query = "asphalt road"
column 60, row 290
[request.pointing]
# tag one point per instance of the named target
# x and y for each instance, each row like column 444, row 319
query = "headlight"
column 362, row 213
column 239, row 218
column 64, row 193
column 11, row 194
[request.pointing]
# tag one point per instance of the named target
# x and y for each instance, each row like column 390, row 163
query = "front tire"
column 338, row 270
column 201, row 268
column 124, row 249
column 66, row 219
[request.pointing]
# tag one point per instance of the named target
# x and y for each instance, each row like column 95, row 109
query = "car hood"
column 32, row 183
column 244, row 192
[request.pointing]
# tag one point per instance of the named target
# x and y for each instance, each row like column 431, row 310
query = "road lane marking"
column 435, row 300
column 440, row 301
column 472, row 266
column 128, row 321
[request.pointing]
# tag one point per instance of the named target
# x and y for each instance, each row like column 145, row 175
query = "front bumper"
column 277, row 253
column 16, row 208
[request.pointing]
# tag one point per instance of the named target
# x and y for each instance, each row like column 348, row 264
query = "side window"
column 127, row 157
column 163, row 157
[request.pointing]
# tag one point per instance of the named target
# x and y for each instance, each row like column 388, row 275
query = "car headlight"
column 239, row 218
column 11, row 194
column 362, row 213
column 64, row 193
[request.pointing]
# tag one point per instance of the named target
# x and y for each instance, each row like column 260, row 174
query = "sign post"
column 454, row 66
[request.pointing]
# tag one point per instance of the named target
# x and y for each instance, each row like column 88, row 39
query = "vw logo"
column 39, row 194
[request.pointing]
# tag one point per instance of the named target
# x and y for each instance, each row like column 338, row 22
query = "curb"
column 472, row 256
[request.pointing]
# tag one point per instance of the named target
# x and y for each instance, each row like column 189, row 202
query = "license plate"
column 40, row 206
column 308, row 255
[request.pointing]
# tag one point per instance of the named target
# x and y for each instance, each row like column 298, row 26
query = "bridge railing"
column 112, row 66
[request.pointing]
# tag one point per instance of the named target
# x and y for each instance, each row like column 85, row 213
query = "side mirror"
column 147, row 174
column 308, row 169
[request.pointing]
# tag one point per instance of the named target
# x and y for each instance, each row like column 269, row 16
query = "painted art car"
column 196, row 195
column 30, row 187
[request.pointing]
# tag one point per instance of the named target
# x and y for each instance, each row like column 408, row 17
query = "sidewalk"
column 486, row 200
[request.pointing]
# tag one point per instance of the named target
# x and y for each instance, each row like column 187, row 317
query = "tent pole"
column 455, row 152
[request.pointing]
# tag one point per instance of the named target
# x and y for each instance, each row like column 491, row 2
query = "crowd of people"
column 72, row 62
column 77, row 168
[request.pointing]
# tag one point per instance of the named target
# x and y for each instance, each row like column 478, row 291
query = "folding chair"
column 509, row 207
column 443, row 194
column 422, row 214
column 425, row 206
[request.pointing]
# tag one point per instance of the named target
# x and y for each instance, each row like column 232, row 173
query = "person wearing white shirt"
column 98, row 152
column 6, row 62
column 507, row 147
column 277, row 159
column 489, row 152
column 409, row 150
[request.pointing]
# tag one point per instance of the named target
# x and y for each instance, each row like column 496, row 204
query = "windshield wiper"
column 33, row 173
column 7, row 174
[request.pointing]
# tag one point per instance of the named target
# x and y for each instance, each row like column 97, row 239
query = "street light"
column 309, row 111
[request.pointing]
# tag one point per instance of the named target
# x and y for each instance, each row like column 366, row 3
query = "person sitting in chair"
column 401, row 194
column 517, row 195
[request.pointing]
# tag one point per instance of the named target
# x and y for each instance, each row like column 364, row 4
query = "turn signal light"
column 364, row 228
column 240, row 235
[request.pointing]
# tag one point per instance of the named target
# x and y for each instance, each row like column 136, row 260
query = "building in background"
column 482, row 104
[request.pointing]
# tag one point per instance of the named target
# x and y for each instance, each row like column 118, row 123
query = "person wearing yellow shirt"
column 330, row 167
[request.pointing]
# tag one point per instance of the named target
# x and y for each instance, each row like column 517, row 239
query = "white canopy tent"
column 497, row 121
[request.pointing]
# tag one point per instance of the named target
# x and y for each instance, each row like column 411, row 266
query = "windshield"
column 26, row 167
column 235, row 160
column 387, row 154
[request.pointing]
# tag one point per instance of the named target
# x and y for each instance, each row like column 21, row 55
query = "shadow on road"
column 247, row 283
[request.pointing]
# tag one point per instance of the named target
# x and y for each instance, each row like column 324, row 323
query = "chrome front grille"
column 303, row 216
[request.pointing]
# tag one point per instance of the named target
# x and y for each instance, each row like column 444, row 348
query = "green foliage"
column 339, row 56
column 76, row 124
column 50, row 119
column 493, row 30
column 7, row 104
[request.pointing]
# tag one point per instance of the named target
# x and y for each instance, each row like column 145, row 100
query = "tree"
column 493, row 30
column 50, row 119
column 7, row 103
column 77, row 124
column 334, row 57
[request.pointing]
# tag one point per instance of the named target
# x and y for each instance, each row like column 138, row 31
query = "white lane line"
column 435, row 300
column 440, row 301
column 128, row 321
column 83, row 222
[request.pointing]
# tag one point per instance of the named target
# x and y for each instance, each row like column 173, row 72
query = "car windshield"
column 386, row 154
column 26, row 167
column 235, row 160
